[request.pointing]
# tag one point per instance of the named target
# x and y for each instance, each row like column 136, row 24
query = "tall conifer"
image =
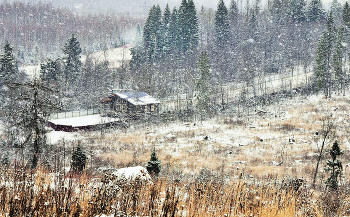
column 221, row 33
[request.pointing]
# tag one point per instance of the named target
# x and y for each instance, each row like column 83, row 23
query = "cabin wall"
column 120, row 105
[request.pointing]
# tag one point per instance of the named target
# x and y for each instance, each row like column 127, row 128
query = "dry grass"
column 241, row 154
column 31, row 195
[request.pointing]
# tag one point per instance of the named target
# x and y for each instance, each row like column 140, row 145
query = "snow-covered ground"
column 54, row 137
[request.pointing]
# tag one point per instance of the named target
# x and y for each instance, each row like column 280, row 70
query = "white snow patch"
column 84, row 120
column 315, row 98
column 131, row 173
column 31, row 71
column 55, row 136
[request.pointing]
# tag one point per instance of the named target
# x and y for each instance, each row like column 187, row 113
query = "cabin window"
column 152, row 108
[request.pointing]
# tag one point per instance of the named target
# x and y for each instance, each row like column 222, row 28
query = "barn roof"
column 135, row 98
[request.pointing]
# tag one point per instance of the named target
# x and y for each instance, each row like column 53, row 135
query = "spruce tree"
column 79, row 160
column 324, row 59
column 296, row 11
column 39, row 103
column 336, row 9
column 322, row 62
column 222, row 27
column 275, row 9
column 204, row 89
column 346, row 15
column 338, row 59
column 334, row 166
column 50, row 72
column 166, row 31
column 154, row 166
column 8, row 67
column 315, row 12
column 152, row 35
column 72, row 51
column 174, row 33
column 10, row 107
column 253, row 26
column 233, row 14
column 192, row 34
column 183, row 26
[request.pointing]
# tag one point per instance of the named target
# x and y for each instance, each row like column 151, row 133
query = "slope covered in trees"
column 38, row 31
column 241, row 43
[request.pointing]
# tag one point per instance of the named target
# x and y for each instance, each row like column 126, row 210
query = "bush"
column 78, row 160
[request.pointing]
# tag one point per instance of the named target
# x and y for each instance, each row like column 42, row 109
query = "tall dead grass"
column 23, row 193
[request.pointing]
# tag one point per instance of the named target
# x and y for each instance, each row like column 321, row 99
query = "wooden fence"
column 233, row 91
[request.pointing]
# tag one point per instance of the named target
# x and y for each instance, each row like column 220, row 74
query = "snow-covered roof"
column 88, row 120
column 138, row 98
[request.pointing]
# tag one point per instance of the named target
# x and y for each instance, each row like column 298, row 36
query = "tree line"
column 241, row 43
column 331, row 56
column 38, row 31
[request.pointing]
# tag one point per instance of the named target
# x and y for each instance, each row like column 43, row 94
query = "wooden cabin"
column 131, row 103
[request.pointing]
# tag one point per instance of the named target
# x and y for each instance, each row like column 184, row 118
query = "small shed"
column 131, row 103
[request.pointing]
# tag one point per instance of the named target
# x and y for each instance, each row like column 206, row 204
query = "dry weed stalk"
column 26, row 194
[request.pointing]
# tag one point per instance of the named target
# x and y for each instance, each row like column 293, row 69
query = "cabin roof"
column 135, row 98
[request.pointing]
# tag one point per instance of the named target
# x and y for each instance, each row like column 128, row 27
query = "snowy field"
column 280, row 142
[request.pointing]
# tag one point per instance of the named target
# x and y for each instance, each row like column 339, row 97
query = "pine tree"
column 174, row 35
column 322, row 62
column 233, row 14
column 296, row 11
column 152, row 38
column 10, row 107
column 222, row 27
column 8, row 67
column 39, row 103
column 204, row 87
column 275, row 9
column 79, row 160
column 50, row 72
column 334, row 166
column 182, row 26
column 346, row 15
column 338, row 59
column 154, row 164
column 72, row 51
column 253, row 26
column 166, row 31
column 192, row 34
column 315, row 12
column 336, row 9
column 323, row 57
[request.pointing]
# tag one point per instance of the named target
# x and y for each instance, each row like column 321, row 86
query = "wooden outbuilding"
column 131, row 103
